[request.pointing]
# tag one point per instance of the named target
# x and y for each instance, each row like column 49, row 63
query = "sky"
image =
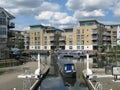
column 61, row 13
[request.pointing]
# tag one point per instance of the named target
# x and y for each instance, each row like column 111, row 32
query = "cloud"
column 56, row 18
column 88, row 4
column 49, row 6
column 89, row 14
column 26, row 8
column 21, row 27
column 45, row 15
column 89, row 8
column 117, row 12
column 116, row 9
column 29, row 7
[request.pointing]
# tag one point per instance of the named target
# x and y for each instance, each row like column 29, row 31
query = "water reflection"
column 53, row 83
column 54, row 79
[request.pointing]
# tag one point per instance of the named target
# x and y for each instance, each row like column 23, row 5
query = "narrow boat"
column 67, row 68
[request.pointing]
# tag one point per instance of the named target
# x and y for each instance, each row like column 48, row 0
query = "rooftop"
column 10, row 16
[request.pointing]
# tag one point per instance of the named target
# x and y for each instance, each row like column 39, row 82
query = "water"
column 55, row 81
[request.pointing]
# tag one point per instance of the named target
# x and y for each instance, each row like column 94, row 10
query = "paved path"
column 9, row 79
column 106, row 80
column 108, row 84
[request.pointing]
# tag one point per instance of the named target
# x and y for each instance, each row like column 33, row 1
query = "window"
column 82, row 30
column 82, row 42
column 38, row 43
column 78, row 47
column 45, row 42
column 82, row 36
column 3, row 31
column 78, row 42
column 70, row 37
column 78, row 31
column 35, row 43
column 70, row 42
column 78, row 36
column 38, row 33
column 70, row 47
column 82, row 47
column 45, row 47
column 38, row 47
column 35, row 38
column 2, row 21
column 45, row 38
column 38, row 38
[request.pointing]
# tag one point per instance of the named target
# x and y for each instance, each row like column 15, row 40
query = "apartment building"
column 114, row 33
column 89, row 35
column 16, row 39
column 43, row 37
column 5, row 25
column 118, row 35
column 26, row 39
column 69, row 39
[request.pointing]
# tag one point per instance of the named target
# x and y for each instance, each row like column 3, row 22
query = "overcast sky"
column 61, row 13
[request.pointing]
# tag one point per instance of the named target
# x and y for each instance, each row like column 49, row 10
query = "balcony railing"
column 94, row 37
column 95, row 43
column 52, row 39
column 62, row 38
column 106, row 34
column 61, row 44
column 11, row 25
column 95, row 32
column 114, row 34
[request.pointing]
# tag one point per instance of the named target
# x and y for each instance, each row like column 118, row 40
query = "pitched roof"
column 10, row 16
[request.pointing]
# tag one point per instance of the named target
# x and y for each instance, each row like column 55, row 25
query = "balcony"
column 106, row 34
column 114, row 34
column 62, row 38
column 95, row 32
column 11, row 25
column 105, row 38
column 108, row 39
column 52, row 44
column 61, row 44
column 95, row 37
column 52, row 39
column 95, row 43
column 105, row 43
column 27, row 35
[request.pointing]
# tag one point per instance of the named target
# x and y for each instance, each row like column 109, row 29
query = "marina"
column 61, row 82
column 23, row 77
column 59, row 45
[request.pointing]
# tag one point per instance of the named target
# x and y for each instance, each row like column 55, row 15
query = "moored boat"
column 67, row 68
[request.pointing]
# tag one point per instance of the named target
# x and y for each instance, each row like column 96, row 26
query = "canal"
column 56, row 81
